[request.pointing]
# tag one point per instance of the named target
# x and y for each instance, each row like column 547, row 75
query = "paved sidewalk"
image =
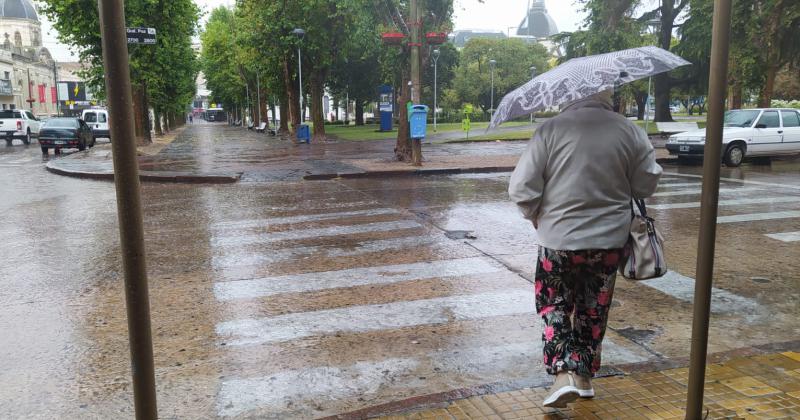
column 217, row 153
column 755, row 387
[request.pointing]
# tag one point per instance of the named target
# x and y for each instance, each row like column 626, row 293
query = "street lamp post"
column 492, row 64
column 533, row 75
column 300, row 34
column 436, row 54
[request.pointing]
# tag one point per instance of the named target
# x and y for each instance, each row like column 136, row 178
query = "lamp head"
column 299, row 33
column 436, row 53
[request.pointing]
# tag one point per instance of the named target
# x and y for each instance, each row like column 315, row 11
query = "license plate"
column 684, row 148
column 59, row 142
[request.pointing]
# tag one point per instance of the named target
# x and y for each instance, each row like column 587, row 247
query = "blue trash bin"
column 304, row 133
column 419, row 121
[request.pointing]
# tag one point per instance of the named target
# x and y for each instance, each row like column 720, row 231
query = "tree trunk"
column 141, row 130
column 402, row 150
column 292, row 94
column 263, row 109
column 336, row 109
column 359, row 112
column 159, row 131
column 283, row 123
column 735, row 96
column 317, row 118
column 640, row 98
column 765, row 97
column 661, row 82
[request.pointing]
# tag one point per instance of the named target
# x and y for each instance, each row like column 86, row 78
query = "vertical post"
column 129, row 206
column 258, row 96
column 647, row 106
column 416, row 88
column 435, row 88
column 55, row 84
column 492, row 63
column 720, row 46
column 300, row 77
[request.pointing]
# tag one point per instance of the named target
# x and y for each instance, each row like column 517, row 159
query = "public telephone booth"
column 386, row 107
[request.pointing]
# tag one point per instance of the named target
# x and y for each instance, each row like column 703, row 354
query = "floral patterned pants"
column 579, row 285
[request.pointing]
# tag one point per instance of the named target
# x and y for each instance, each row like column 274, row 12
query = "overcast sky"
column 496, row 15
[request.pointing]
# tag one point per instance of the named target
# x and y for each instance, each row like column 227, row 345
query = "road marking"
column 313, row 233
column 678, row 184
column 308, row 282
column 735, row 202
column 237, row 259
column 365, row 318
column 752, row 217
column 722, row 301
column 786, row 236
column 288, row 390
column 254, row 223
column 696, row 191
column 741, row 181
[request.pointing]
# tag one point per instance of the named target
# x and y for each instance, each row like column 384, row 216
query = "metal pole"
column 491, row 108
column 647, row 106
column 533, row 76
column 720, row 46
column 55, row 83
column 300, row 77
column 435, row 87
column 258, row 96
column 129, row 205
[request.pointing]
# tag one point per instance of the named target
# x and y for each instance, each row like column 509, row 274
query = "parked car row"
column 764, row 132
column 55, row 133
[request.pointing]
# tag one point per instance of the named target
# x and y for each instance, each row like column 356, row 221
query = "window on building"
column 4, row 106
column 7, row 75
column 12, row 106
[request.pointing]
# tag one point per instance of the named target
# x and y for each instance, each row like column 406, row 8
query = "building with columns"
column 27, row 70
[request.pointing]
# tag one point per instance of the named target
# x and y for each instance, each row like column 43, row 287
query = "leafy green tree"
column 514, row 57
column 162, row 75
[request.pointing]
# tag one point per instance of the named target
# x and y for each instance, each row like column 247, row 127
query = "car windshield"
column 740, row 118
column 10, row 114
column 61, row 123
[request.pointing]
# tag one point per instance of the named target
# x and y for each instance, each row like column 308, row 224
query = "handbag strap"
column 640, row 205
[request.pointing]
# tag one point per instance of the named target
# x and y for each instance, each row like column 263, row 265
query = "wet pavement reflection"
column 305, row 299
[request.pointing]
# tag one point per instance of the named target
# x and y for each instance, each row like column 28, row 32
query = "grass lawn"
column 369, row 132
column 505, row 136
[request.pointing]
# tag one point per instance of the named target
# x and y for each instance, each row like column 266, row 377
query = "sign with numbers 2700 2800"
column 141, row 35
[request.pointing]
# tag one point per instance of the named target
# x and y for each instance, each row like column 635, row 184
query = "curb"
column 149, row 176
column 425, row 172
column 406, row 173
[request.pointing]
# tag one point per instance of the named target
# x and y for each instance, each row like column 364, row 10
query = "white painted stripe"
column 357, row 319
column 238, row 259
column 254, row 223
column 735, row 202
column 678, row 184
column 290, row 391
column 722, row 301
column 387, row 274
column 741, row 181
column 758, row 216
column 302, row 387
column 313, row 233
column 697, row 191
column 786, row 236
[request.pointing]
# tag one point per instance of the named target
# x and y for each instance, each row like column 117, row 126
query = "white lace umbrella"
column 582, row 77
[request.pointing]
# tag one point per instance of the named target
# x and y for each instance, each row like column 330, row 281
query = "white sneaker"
column 584, row 386
column 564, row 391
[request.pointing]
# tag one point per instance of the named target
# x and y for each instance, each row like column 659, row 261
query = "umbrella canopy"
column 582, row 77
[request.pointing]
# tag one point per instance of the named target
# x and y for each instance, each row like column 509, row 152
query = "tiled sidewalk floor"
column 758, row 387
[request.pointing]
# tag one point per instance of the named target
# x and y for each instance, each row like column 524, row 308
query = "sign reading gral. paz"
column 141, row 35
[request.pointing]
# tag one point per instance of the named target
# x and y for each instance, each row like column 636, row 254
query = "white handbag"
column 645, row 247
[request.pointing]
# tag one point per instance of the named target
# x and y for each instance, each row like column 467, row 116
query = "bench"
column 261, row 127
column 666, row 129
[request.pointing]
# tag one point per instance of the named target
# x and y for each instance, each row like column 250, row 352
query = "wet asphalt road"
column 306, row 299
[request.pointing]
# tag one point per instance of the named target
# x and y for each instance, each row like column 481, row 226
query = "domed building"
column 27, row 70
column 537, row 24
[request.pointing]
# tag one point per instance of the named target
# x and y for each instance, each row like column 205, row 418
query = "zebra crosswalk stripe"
column 786, row 236
column 233, row 240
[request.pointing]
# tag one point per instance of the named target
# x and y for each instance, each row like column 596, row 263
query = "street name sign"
column 141, row 36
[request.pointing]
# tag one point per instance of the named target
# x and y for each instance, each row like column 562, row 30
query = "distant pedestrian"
column 191, row 119
column 575, row 181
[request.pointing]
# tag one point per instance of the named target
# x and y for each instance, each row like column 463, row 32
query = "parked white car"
column 18, row 124
column 97, row 119
column 748, row 132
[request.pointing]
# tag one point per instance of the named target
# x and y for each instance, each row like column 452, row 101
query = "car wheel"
column 27, row 139
column 82, row 146
column 734, row 155
column 44, row 150
column 93, row 142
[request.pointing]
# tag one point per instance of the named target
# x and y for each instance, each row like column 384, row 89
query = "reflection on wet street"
column 307, row 299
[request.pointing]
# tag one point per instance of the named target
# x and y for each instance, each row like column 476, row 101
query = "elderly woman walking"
column 575, row 182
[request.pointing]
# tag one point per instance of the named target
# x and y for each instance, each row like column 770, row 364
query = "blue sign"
column 419, row 121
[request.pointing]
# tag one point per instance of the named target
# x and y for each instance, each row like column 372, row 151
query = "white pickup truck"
column 18, row 124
